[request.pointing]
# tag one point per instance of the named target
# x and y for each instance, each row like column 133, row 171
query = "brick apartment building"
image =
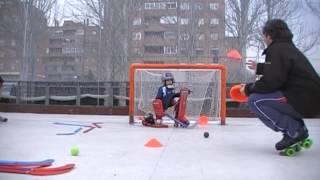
column 72, row 52
column 177, row 31
column 15, row 55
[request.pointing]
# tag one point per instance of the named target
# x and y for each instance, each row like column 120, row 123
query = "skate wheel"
column 307, row 143
column 297, row 148
column 290, row 152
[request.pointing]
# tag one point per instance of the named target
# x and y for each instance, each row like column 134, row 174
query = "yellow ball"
column 74, row 151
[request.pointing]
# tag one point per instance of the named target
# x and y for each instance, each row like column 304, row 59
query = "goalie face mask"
column 169, row 83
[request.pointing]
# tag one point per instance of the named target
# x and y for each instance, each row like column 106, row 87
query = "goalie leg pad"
column 182, row 105
column 158, row 108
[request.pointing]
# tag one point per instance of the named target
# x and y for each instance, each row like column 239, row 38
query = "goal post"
column 206, row 81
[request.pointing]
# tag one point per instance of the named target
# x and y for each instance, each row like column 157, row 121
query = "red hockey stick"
column 38, row 171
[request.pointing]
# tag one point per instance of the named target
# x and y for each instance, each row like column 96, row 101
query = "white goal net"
column 206, row 84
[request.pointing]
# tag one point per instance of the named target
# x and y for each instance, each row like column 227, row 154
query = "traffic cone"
column 203, row 120
column 153, row 143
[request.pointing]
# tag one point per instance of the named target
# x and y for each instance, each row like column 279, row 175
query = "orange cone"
column 153, row 143
column 234, row 54
column 203, row 120
column 236, row 95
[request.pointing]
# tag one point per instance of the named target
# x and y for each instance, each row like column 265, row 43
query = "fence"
column 104, row 94
column 66, row 93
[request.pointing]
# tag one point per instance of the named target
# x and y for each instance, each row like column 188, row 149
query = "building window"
column 183, row 51
column 184, row 21
column 159, row 34
column 169, row 35
column 170, row 49
column 184, row 36
column 136, row 21
column 67, row 68
column 155, row 5
column 71, row 50
column 51, row 68
column 214, row 21
column 168, row 20
column 55, row 50
column 69, row 32
column 184, row 6
column 198, row 6
column 201, row 22
column 214, row 51
column 171, row 5
column 136, row 36
column 214, row 36
column 136, row 5
column 199, row 51
column 136, row 51
column 79, row 32
column 200, row 36
column 153, row 49
column 151, row 19
column 149, row 6
column 214, row 6
column 58, row 32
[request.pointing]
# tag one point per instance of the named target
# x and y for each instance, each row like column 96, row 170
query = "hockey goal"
column 206, row 81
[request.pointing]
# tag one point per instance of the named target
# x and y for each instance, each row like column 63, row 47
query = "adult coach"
column 288, row 88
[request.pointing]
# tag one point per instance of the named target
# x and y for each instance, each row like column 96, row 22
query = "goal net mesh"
column 205, row 84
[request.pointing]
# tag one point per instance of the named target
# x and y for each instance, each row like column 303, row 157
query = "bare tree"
column 304, row 38
column 242, row 22
column 111, row 16
column 314, row 6
column 26, row 24
column 244, row 19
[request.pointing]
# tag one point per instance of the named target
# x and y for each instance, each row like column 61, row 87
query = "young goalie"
column 166, row 98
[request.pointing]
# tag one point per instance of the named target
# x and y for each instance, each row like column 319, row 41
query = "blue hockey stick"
column 47, row 162
column 72, row 133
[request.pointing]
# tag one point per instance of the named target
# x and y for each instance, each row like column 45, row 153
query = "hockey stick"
column 39, row 171
column 89, row 129
column 96, row 124
column 181, row 123
column 46, row 162
column 72, row 133
column 69, row 124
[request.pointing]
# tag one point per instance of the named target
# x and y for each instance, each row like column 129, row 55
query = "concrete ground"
column 241, row 150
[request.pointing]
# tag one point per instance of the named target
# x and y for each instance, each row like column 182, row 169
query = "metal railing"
column 108, row 94
column 66, row 93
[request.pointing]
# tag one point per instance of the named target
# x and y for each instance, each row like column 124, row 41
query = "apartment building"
column 72, row 51
column 177, row 31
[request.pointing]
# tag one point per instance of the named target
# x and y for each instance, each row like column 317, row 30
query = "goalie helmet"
column 167, row 76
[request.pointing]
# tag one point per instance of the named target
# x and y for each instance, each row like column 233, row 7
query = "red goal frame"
column 136, row 66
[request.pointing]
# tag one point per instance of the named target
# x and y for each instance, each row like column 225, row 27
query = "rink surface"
column 241, row 150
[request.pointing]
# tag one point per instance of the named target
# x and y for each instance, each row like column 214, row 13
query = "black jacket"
column 287, row 70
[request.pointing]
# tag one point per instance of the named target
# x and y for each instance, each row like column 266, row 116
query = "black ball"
column 206, row 134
